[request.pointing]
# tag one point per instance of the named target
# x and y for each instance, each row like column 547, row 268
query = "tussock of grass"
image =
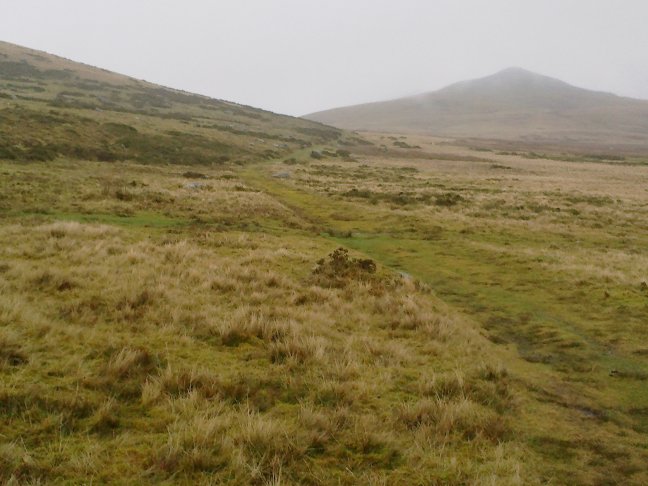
column 216, row 392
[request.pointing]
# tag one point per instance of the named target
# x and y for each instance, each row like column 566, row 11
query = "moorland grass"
column 203, row 353
column 548, row 258
column 410, row 313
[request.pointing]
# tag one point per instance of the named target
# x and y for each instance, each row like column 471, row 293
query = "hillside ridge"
column 123, row 118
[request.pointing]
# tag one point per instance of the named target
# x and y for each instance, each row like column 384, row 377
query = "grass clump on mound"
column 339, row 268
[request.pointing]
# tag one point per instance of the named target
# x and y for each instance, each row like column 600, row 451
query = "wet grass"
column 209, row 334
column 138, row 220
column 577, row 324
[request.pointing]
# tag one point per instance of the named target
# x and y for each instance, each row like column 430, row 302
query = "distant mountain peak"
column 513, row 103
column 521, row 74
column 515, row 71
column 511, row 78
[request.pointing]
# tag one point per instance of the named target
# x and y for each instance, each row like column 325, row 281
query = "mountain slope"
column 51, row 107
column 511, row 104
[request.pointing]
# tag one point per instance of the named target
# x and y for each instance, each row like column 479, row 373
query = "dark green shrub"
column 339, row 268
column 40, row 153
column 194, row 175
column 7, row 153
column 363, row 193
column 325, row 133
column 343, row 153
column 119, row 129
column 405, row 145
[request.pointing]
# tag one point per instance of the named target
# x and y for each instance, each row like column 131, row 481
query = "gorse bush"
column 339, row 269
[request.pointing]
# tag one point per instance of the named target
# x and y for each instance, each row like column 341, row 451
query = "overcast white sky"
column 299, row 56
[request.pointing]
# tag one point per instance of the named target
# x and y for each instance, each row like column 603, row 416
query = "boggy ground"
column 545, row 252
column 158, row 326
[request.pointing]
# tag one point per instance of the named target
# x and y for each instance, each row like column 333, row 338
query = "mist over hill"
column 513, row 104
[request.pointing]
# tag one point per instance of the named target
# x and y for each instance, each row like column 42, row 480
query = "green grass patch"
column 137, row 220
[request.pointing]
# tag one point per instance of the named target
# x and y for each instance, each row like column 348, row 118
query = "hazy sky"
column 298, row 56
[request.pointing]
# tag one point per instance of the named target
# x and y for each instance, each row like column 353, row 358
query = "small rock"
column 195, row 185
column 281, row 175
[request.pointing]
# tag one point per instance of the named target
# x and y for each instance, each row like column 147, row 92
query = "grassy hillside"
column 335, row 310
column 51, row 107
column 511, row 105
